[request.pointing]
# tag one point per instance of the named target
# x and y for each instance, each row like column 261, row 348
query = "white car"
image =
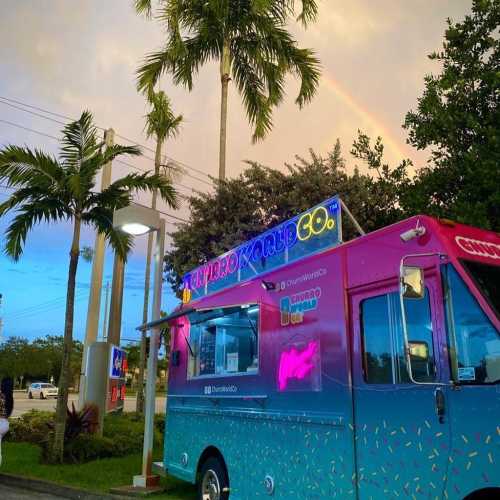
column 42, row 390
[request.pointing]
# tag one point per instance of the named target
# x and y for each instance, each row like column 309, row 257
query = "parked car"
column 42, row 390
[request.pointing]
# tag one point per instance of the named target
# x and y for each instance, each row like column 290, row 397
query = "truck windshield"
column 474, row 340
column 487, row 279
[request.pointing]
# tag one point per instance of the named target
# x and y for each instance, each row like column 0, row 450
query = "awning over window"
column 162, row 321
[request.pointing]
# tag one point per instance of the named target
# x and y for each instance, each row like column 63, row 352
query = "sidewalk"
column 8, row 493
column 23, row 488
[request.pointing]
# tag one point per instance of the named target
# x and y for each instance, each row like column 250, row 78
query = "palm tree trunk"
column 64, row 378
column 225, row 68
column 139, row 405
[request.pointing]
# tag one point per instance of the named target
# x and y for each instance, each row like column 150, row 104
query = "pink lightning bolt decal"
column 296, row 364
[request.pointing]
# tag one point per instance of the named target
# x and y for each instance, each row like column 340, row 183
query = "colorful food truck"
column 303, row 367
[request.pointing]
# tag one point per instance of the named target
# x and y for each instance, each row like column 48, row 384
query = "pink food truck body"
column 368, row 369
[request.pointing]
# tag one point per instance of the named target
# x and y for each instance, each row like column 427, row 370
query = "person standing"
column 6, row 407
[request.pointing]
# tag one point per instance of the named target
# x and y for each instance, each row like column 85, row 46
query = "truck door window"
column 384, row 361
column 224, row 341
column 473, row 338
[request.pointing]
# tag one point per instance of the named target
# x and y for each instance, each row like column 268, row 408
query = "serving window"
column 224, row 341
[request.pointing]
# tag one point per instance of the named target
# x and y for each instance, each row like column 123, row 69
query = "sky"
column 65, row 56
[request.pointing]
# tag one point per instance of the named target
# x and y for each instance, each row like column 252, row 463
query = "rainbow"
column 390, row 142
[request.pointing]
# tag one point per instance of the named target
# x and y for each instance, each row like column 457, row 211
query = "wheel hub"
column 210, row 486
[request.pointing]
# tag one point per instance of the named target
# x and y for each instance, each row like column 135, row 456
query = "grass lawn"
column 97, row 476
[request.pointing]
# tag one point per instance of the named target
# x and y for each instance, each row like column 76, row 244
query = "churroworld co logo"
column 292, row 308
column 478, row 247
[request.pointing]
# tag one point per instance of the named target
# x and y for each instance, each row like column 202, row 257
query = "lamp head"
column 136, row 219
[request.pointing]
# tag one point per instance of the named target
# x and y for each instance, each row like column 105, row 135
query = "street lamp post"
column 138, row 220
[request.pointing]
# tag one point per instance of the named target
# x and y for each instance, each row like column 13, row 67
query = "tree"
column 52, row 190
column 250, row 41
column 458, row 118
column 39, row 359
column 261, row 198
column 162, row 124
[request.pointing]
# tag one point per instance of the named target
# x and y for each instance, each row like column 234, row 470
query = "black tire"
column 213, row 474
column 30, row 396
column 42, row 396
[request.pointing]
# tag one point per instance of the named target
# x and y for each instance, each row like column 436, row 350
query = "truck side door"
column 475, row 399
column 401, row 442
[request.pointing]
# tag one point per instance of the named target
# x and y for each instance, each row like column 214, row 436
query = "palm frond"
column 79, row 142
column 146, row 182
column 161, row 121
column 257, row 104
column 101, row 218
column 31, row 213
column 144, row 7
column 21, row 165
column 283, row 9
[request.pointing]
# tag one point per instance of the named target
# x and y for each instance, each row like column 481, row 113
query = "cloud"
column 67, row 56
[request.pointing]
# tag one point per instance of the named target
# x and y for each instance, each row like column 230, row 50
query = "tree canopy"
column 262, row 197
column 39, row 359
column 458, row 119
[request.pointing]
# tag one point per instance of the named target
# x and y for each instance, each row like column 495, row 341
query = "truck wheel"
column 213, row 483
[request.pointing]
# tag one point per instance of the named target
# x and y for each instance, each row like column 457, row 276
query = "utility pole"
column 106, row 315
column 94, row 307
column 115, row 314
column 1, row 317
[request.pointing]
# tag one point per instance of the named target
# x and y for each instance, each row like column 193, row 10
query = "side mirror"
column 412, row 282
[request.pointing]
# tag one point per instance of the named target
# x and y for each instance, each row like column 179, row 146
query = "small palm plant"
column 250, row 41
column 53, row 190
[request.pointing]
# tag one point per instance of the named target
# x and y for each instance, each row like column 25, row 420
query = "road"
column 8, row 493
column 22, row 404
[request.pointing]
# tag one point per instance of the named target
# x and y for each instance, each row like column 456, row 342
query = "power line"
column 57, row 139
column 4, row 186
column 32, row 112
column 180, row 219
column 21, row 103
column 37, row 108
column 168, row 157
column 42, row 305
column 147, row 171
column 42, row 309
column 29, row 129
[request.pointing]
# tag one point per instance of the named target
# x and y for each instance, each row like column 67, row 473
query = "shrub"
column 32, row 427
column 81, row 421
column 123, row 435
column 86, row 447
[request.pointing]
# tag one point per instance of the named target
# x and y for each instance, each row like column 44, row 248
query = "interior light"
column 135, row 228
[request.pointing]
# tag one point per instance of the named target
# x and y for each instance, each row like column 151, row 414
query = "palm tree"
column 53, row 190
column 249, row 39
column 161, row 123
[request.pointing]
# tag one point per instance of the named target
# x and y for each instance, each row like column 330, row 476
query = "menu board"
column 207, row 352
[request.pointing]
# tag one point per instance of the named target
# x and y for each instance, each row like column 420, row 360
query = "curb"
column 40, row 486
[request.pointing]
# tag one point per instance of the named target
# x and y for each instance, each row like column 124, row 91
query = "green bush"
column 87, row 447
column 32, row 427
column 123, row 435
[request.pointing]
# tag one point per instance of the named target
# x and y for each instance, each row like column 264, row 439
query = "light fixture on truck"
column 413, row 233
column 268, row 285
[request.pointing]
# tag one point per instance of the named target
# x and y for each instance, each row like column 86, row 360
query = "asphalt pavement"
column 22, row 404
column 9, row 493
